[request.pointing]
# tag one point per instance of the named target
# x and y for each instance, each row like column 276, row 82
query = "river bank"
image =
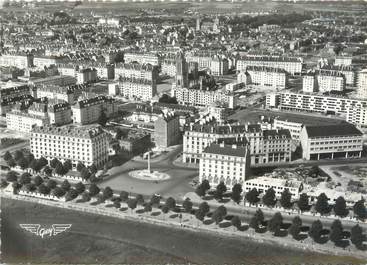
column 95, row 238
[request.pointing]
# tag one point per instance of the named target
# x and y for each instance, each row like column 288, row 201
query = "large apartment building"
column 197, row 137
column 167, row 130
column 196, row 96
column 19, row 60
column 216, row 64
column 347, row 71
column 331, row 141
column 14, row 91
column 269, row 146
column 142, row 58
column 88, row 110
column 136, row 71
column 59, row 113
column 292, row 66
column 137, row 89
column 24, row 122
column 224, row 163
column 266, row 77
column 68, row 94
column 103, row 70
column 362, row 84
column 78, row 144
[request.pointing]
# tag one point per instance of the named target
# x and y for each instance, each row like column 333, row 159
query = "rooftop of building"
column 265, row 69
column 332, row 130
column 70, row 131
column 135, row 80
column 216, row 129
column 92, row 100
column 269, row 58
column 274, row 134
column 226, row 150
column 135, row 66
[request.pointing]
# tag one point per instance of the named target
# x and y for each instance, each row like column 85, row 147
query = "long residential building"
column 68, row 94
column 331, row 141
column 320, row 103
column 203, row 97
column 263, row 76
column 362, row 84
column 21, row 60
column 78, row 144
column 229, row 164
column 291, row 65
column 89, row 110
column 137, row 71
column 142, row 58
column 216, row 64
column 14, row 91
column 138, row 89
column 347, row 71
column 24, row 122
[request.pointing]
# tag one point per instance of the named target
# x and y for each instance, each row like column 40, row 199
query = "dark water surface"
column 101, row 239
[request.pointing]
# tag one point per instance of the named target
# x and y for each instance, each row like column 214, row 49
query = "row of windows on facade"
column 336, row 142
column 336, row 147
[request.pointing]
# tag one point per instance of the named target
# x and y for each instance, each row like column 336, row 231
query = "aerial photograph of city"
column 183, row 132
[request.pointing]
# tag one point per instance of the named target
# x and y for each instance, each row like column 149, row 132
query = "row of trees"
column 26, row 159
column 316, row 231
column 269, row 199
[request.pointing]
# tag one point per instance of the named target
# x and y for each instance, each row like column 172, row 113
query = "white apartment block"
column 347, row 71
column 67, row 94
column 169, row 67
column 343, row 61
column 23, row 121
column 142, row 58
column 224, row 163
column 197, row 137
column 294, row 128
column 21, row 61
column 136, row 71
column 312, row 103
column 262, row 184
column 218, row 65
column 330, row 81
column 78, row 144
column 103, row 70
column 331, row 141
column 309, row 83
column 292, row 66
column 202, row 97
column 357, row 116
column 137, row 89
column 362, row 84
column 41, row 62
column 88, row 110
column 268, row 146
column 275, row 78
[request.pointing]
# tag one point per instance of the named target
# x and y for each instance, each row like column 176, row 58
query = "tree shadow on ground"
column 140, row 211
column 80, row 200
column 244, row 228
column 342, row 243
column 261, row 230
column 208, row 222
column 208, row 197
column 109, row 205
column 123, row 209
column 95, row 203
column 322, row 240
column 173, row 215
column 281, row 233
column 155, row 213
column 225, row 224
column 300, row 237
column 305, row 229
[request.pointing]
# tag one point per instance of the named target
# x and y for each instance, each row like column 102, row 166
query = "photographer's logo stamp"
column 54, row 230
